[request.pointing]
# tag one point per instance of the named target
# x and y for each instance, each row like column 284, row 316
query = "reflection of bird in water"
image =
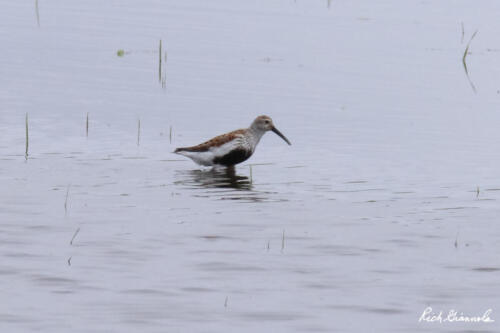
column 218, row 178
column 233, row 147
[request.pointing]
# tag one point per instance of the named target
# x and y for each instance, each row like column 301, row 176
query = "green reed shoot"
column 87, row 125
column 464, row 62
column 464, row 57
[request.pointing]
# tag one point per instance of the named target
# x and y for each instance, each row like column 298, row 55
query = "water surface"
column 386, row 203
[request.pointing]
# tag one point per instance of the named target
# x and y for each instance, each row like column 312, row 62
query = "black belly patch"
column 233, row 157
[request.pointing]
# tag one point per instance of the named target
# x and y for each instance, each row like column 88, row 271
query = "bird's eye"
column 267, row 121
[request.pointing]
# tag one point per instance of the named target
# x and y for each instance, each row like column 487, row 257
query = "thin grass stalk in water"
column 170, row 135
column 138, row 132
column 464, row 57
column 159, row 63
column 464, row 62
column 74, row 235
column 37, row 13
column 283, row 241
column 87, row 126
column 66, row 201
column 27, row 138
column 463, row 32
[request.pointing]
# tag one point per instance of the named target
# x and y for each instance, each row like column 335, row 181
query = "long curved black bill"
column 275, row 130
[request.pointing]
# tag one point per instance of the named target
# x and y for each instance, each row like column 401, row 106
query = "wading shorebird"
column 233, row 147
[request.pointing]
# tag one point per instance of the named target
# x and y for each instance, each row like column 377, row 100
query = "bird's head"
column 264, row 124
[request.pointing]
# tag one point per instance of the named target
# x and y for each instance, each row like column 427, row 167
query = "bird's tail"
column 178, row 150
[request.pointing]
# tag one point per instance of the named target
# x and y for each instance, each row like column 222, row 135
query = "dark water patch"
column 356, row 182
column 10, row 271
column 214, row 237
column 403, row 242
column 198, row 290
column 431, row 236
column 337, row 250
column 153, row 186
column 11, row 318
column 53, row 281
column 272, row 316
column 371, row 250
column 39, row 227
column 134, row 158
column 363, row 190
column 486, row 269
column 368, row 309
column 23, row 255
column 216, row 252
column 52, row 153
column 383, row 311
column 104, row 184
column 63, row 292
column 225, row 267
column 13, row 241
column 320, row 286
column 147, row 291
column 213, row 179
column 456, row 208
column 385, row 271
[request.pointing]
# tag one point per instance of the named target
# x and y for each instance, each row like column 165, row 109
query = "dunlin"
column 233, row 147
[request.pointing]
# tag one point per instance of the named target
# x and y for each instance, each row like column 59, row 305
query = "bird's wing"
column 214, row 142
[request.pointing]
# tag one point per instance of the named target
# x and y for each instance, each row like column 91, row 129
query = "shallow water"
column 386, row 203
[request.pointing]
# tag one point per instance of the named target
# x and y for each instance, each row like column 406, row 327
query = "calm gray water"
column 385, row 204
